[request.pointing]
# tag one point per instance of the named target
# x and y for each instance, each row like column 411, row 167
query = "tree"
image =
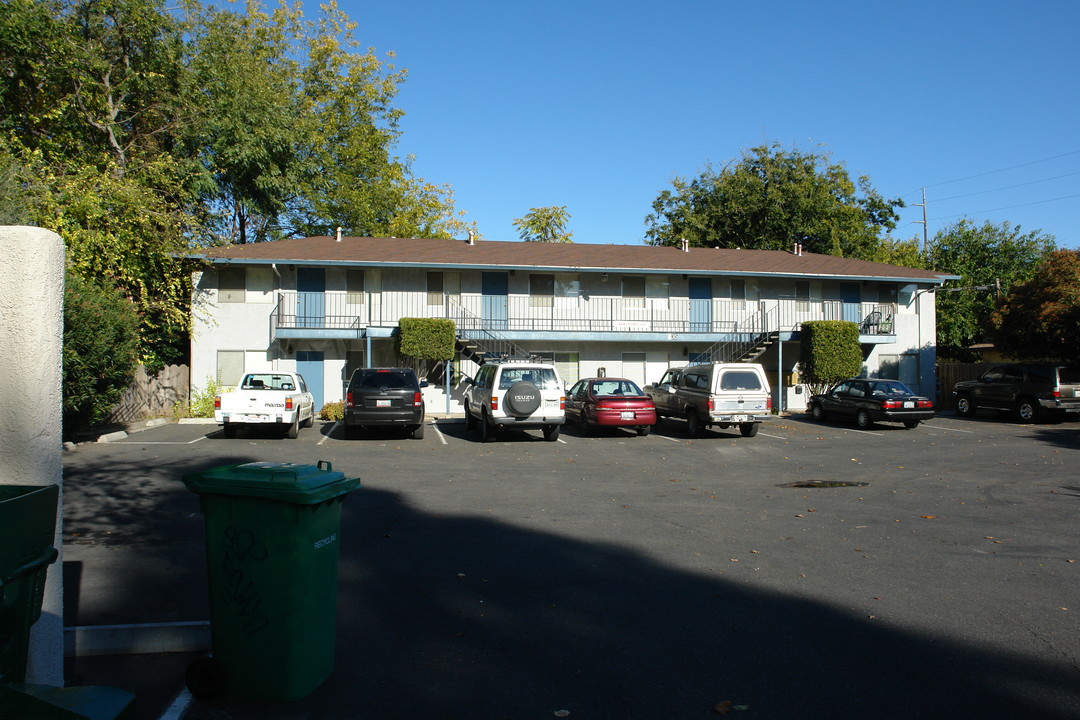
column 771, row 198
column 1040, row 318
column 986, row 256
column 101, row 339
column 544, row 224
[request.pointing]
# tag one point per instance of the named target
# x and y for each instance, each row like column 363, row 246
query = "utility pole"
column 925, row 242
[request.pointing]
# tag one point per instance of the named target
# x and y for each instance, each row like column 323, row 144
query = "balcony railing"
column 354, row 311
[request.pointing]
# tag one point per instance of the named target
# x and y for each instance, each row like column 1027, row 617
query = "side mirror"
column 423, row 383
column 671, row 389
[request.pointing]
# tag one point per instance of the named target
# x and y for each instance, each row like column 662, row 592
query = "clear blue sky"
column 599, row 105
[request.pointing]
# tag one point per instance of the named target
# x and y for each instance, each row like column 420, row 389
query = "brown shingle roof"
column 451, row 254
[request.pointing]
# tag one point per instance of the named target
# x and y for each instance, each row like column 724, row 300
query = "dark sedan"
column 609, row 402
column 868, row 401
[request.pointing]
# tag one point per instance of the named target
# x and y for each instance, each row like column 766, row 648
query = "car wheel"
column 229, row 430
column 817, row 412
column 644, row 430
column 294, row 430
column 1026, row 411
column 310, row 421
column 583, row 424
column 862, row 420
column 965, row 406
column 551, row 432
column 694, row 426
column 418, row 432
column 749, row 429
column 911, row 424
column 487, row 430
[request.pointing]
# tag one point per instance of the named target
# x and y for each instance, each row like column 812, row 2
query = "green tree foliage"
column 137, row 130
column 986, row 256
column 830, row 352
column 771, row 198
column 101, row 344
column 1040, row 318
column 427, row 338
column 544, row 224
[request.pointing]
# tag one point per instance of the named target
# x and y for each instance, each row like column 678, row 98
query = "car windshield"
column 615, row 387
column 740, row 380
column 890, row 388
column 267, row 381
column 386, row 381
column 541, row 377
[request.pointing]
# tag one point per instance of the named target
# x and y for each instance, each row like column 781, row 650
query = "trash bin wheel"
column 205, row 678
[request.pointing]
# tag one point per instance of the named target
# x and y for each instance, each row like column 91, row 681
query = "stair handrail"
column 757, row 327
column 489, row 343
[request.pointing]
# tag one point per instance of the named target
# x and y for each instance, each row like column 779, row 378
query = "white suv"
column 516, row 394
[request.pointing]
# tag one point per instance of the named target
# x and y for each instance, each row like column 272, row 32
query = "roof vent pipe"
column 339, row 233
column 685, row 244
column 472, row 238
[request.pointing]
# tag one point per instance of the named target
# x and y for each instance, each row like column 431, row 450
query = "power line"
column 1007, row 207
column 992, row 172
column 1009, row 187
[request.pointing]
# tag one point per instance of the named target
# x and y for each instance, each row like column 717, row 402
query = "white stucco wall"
column 31, row 333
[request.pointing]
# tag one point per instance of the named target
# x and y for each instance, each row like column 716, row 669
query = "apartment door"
column 700, row 304
column 310, row 298
column 309, row 363
column 850, row 302
column 494, row 288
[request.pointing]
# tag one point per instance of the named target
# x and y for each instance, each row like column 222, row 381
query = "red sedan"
column 608, row 402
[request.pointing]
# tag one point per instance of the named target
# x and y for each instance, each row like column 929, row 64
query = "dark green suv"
column 1029, row 391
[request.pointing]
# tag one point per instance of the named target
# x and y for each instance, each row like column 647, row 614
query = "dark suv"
column 384, row 397
column 1030, row 391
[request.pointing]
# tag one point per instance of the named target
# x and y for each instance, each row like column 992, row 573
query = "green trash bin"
column 272, row 538
column 27, row 526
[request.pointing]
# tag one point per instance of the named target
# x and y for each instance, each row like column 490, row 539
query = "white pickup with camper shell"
column 721, row 394
column 266, row 399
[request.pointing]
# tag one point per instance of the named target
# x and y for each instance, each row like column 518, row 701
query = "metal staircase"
column 753, row 336
column 477, row 340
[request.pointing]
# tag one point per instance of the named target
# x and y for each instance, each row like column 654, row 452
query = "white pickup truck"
column 278, row 399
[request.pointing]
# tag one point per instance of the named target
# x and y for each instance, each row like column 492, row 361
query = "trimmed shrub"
column 427, row 338
column 830, row 352
column 333, row 411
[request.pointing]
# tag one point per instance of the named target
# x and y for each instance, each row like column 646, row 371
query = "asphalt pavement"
column 814, row 571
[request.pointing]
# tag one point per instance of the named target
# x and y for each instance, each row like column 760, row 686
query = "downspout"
column 780, row 373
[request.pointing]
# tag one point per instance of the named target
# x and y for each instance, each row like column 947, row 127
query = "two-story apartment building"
column 324, row 306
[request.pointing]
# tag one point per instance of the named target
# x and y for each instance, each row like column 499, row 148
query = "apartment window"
column 541, row 290
column 232, row 285
column 567, row 289
column 435, row 287
column 230, row 367
column 354, row 286
column 802, row 295
column 633, row 290
column 738, row 292
column 887, row 294
column 657, row 289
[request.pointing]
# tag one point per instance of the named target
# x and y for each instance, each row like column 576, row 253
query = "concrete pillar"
column 32, row 335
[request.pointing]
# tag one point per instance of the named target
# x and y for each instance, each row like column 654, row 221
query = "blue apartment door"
column 309, row 363
column 849, row 299
column 494, row 288
column 310, row 300
column 700, row 304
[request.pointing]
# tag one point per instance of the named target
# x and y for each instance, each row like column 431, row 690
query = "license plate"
column 626, row 415
column 382, row 403
column 738, row 418
column 909, row 404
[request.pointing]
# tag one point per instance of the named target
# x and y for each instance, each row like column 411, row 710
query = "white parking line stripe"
column 327, row 435
column 668, row 438
column 778, row 437
column 442, row 438
column 942, row 427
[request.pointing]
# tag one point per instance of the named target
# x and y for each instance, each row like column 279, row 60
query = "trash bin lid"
column 288, row 482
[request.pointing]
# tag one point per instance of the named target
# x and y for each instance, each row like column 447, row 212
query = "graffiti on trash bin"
column 243, row 548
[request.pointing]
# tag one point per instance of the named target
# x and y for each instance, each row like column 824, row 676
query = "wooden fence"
column 151, row 396
column 950, row 373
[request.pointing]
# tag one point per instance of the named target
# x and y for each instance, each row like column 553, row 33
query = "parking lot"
column 813, row 571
